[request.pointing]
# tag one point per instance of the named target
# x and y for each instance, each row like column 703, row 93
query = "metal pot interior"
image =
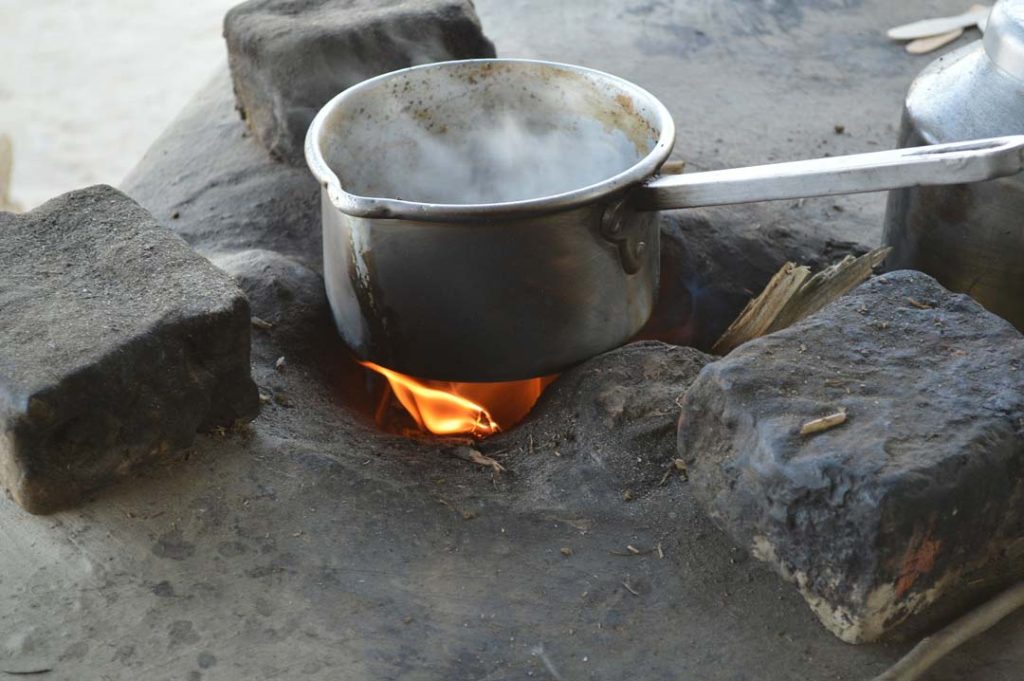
column 489, row 132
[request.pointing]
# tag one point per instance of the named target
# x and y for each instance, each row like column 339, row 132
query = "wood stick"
column 757, row 317
column 824, row 423
column 6, row 167
column 932, row 648
column 793, row 294
column 932, row 43
column 827, row 285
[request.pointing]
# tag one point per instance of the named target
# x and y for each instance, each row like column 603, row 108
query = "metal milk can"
column 970, row 237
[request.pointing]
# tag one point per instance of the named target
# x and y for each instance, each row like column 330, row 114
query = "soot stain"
column 163, row 590
column 646, row 8
column 672, row 40
column 742, row 18
column 124, row 653
column 787, row 14
column 76, row 651
column 231, row 549
column 181, row 632
column 263, row 607
column 172, row 545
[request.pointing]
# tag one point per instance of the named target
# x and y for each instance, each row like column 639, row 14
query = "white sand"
column 87, row 85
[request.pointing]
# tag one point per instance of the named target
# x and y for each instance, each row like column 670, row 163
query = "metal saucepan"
column 491, row 220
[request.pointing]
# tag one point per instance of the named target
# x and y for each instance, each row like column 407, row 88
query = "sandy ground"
column 87, row 85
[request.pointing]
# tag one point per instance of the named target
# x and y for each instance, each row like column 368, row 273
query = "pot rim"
column 380, row 207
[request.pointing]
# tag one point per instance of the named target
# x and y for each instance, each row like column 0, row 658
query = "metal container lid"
column 1004, row 36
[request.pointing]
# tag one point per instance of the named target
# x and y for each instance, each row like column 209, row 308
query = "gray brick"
column 117, row 343
column 289, row 57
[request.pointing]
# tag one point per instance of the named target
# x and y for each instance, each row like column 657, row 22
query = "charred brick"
column 915, row 504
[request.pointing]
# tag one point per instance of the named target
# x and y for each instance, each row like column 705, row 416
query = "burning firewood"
column 793, row 294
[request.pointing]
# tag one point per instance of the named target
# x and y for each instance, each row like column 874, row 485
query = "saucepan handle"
column 952, row 163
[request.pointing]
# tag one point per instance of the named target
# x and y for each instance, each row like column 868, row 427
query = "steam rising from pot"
column 490, row 137
column 506, row 159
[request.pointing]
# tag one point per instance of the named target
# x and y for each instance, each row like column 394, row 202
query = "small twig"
column 261, row 324
column 824, row 423
column 661, row 554
column 629, row 588
column 919, row 305
column 448, row 440
column 932, row 648
column 439, row 440
column 677, row 466
column 474, row 456
column 631, row 551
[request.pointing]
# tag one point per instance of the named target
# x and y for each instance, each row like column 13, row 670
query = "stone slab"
column 118, row 342
column 289, row 57
column 916, row 502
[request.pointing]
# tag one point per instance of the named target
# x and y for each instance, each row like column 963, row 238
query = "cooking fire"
column 459, row 408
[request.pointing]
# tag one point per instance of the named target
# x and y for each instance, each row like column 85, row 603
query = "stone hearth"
column 308, row 544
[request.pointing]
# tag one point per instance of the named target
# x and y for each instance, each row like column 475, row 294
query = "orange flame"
column 451, row 408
